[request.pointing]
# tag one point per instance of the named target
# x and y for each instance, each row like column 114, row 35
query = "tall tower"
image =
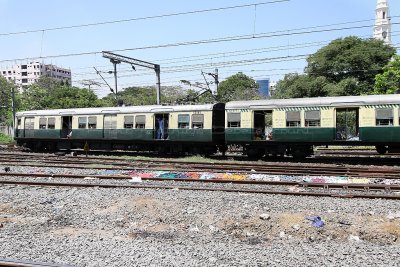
column 383, row 27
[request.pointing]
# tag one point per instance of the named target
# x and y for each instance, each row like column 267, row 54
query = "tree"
column 297, row 86
column 5, row 101
column 389, row 81
column 348, row 65
column 238, row 87
column 48, row 93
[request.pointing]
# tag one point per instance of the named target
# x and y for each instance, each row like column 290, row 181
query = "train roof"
column 339, row 101
column 115, row 110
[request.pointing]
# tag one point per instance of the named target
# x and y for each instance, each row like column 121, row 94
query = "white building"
column 383, row 28
column 27, row 74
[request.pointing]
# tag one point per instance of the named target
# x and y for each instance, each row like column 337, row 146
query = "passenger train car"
column 295, row 126
column 262, row 127
column 176, row 129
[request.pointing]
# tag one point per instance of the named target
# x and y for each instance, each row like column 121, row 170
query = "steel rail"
column 292, row 170
column 273, row 192
column 21, row 263
column 246, row 182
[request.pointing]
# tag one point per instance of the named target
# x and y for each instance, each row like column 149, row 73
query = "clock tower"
column 382, row 28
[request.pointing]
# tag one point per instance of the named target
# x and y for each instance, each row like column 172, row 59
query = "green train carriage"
column 295, row 126
column 187, row 128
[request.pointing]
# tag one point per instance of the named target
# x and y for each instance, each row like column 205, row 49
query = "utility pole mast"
column 216, row 81
column 117, row 59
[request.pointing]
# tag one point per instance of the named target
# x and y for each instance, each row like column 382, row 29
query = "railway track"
column 169, row 165
column 274, row 187
column 20, row 263
column 302, row 188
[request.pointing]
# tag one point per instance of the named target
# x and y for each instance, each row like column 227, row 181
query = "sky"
column 261, row 38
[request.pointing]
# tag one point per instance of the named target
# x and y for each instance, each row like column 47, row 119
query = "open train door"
column 66, row 126
column 161, row 125
column 262, row 128
column 347, row 124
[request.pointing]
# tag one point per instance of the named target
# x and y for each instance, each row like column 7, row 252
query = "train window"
column 198, row 121
column 293, row 119
column 234, row 120
column 92, row 122
column 29, row 123
column 19, row 123
column 312, row 118
column 42, row 123
column 110, row 121
column 82, row 122
column 51, row 123
column 183, row 121
column 384, row 116
column 140, row 122
column 128, row 122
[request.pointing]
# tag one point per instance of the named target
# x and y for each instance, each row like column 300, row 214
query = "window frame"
column 51, row 123
column 234, row 122
column 142, row 123
column 384, row 122
column 127, row 122
column 291, row 123
column 83, row 124
column 183, row 123
column 43, row 123
column 92, row 125
column 312, row 123
column 196, row 122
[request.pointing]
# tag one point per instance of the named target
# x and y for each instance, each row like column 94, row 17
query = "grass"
column 5, row 139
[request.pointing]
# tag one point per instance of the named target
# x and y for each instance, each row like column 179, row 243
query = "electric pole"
column 117, row 59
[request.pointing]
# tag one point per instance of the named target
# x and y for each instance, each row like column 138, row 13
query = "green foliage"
column 4, row 139
column 48, row 93
column 297, row 86
column 5, row 101
column 346, row 66
column 137, row 96
column 237, row 87
column 389, row 81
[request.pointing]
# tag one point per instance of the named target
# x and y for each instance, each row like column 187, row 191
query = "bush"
column 5, row 139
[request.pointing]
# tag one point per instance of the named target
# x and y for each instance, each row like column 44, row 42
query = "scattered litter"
column 135, row 180
column 296, row 227
column 345, row 223
column 265, row 216
column 354, row 238
column 393, row 215
column 316, row 221
column 90, row 178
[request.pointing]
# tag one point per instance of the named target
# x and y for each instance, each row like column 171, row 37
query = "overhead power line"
column 144, row 18
column 299, row 31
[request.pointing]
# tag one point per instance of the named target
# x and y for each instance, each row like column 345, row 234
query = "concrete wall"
column 6, row 130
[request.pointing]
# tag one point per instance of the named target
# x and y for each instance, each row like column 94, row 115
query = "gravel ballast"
column 147, row 227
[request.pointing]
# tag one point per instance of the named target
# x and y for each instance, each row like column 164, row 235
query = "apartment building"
column 27, row 74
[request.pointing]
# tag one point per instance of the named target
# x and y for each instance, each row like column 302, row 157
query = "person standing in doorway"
column 161, row 127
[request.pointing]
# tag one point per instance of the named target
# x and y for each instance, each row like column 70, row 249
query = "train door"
column 66, row 129
column 161, row 125
column 262, row 125
column 347, row 124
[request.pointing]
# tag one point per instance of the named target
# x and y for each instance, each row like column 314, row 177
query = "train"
column 269, row 127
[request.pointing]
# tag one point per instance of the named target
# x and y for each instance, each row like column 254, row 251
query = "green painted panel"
column 199, row 135
column 238, row 134
column 87, row 134
column 135, row 134
column 380, row 134
column 43, row 133
column 19, row 133
column 303, row 134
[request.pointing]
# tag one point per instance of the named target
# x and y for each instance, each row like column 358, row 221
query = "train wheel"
column 254, row 153
column 381, row 149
